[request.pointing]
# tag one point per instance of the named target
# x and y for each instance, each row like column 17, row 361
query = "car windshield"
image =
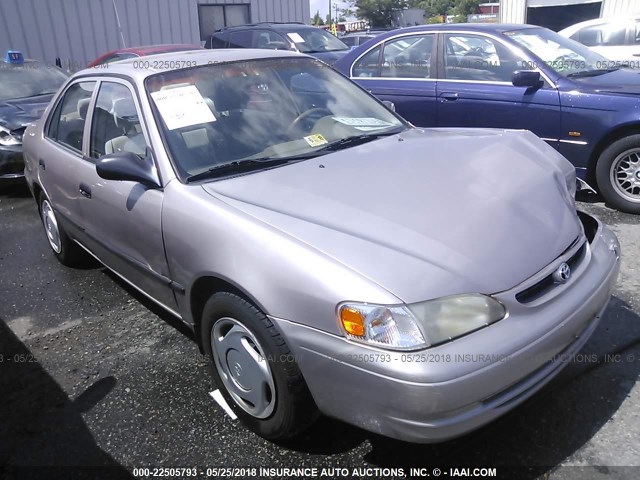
column 29, row 80
column 315, row 40
column 248, row 114
column 565, row 56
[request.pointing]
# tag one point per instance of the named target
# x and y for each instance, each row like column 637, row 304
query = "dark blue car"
column 516, row 77
column 26, row 87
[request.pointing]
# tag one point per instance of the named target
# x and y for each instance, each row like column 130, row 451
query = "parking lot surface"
column 92, row 373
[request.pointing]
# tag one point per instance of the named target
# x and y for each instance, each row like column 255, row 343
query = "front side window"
column 66, row 125
column 606, row 34
column 115, row 126
column 315, row 40
column 270, row 40
column 479, row 58
column 255, row 112
column 563, row 55
column 408, row 57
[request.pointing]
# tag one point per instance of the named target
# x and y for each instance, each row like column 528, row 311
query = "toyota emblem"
column 562, row 274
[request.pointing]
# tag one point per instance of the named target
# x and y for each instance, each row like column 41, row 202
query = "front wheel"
column 618, row 174
column 254, row 369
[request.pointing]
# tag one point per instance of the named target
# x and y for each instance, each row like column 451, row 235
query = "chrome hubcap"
column 625, row 175
column 51, row 226
column 243, row 367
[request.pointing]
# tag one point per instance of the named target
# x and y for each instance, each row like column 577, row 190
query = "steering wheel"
column 304, row 116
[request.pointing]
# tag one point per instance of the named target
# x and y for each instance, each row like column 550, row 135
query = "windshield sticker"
column 316, row 140
column 295, row 36
column 182, row 107
column 364, row 124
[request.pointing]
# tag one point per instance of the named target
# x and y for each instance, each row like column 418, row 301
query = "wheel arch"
column 37, row 191
column 617, row 133
column 203, row 288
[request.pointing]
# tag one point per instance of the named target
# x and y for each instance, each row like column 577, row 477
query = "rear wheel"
column 618, row 174
column 65, row 249
column 254, row 369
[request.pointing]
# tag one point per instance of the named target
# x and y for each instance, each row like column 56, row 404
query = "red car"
column 124, row 53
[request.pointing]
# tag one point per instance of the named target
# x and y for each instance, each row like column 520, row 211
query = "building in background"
column 558, row 14
column 78, row 31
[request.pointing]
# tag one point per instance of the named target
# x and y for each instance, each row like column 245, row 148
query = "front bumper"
column 446, row 391
column 11, row 162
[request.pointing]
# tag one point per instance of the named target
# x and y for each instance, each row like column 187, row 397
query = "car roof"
column 471, row 27
column 150, row 49
column 273, row 25
column 598, row 21
column 131, row 67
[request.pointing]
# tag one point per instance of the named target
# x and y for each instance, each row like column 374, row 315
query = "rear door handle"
column 85, row 191
column 449, row 96
column 42, row 165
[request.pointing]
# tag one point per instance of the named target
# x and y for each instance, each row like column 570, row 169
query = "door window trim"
column 517, row 51
column 382, row 43
column 58, row 102
column 86, row 147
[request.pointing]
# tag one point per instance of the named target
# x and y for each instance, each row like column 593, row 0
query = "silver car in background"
column 328, row 256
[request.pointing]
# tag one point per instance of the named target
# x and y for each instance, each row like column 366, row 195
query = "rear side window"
column 66, row 125
column 368, row 65
column 218, row 40
column 242, row 39
column 408, row 57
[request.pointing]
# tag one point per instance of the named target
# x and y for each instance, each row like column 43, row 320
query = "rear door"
column 64, row 135
column 474, row 88
column 123, row 218
column 401, row 70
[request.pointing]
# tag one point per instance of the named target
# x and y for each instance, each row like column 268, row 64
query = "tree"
column 317, row 19
column 466, row 7
column 379, row 13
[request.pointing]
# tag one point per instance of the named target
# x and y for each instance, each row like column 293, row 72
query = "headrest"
column 83, row 106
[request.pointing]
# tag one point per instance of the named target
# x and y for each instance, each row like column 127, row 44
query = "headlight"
column 419, row 325
column 7, row 139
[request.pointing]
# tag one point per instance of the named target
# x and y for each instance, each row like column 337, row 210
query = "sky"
column 323, row 6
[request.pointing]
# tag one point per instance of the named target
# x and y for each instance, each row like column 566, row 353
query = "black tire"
column 291, row 409
column 608, row 175
column 66, row 250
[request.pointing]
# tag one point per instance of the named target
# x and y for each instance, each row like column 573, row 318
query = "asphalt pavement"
column 93, row 374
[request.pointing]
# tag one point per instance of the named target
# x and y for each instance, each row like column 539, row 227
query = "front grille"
column 545, row 285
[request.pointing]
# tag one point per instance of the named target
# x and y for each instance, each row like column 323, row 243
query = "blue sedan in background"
column 515, row 77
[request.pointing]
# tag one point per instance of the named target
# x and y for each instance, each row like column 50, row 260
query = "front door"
column 474, row 89
column 123, row 218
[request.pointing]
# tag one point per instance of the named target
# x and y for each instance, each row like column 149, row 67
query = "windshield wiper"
column 356, row 140
column 247, row 165
column 592, row 73
column 253, row 164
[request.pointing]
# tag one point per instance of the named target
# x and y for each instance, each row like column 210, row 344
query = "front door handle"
column 449, row 96
column 41, row 164
column 85, row 191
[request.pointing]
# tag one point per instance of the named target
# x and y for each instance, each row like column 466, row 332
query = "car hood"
column 621, row 82
column 329, row 57
column 20, row 112
column 426, row 213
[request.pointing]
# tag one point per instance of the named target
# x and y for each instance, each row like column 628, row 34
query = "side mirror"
column 127, row 166
column 390, row 105
column 526, row 78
